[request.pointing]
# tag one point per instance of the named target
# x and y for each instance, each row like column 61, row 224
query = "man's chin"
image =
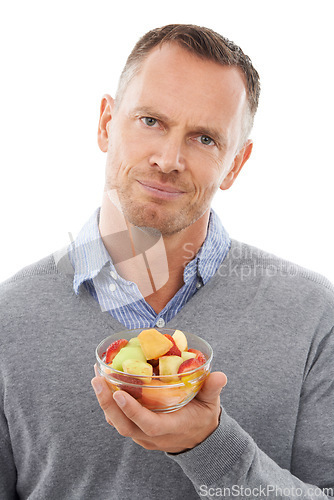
column 150, row 231
column 152, row 223
column 155, row 218
column 166, row 226
column 154, row 227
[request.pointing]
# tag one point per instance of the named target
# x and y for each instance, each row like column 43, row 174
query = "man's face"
column 173, row 138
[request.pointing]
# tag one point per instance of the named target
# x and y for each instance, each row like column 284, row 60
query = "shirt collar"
column 213, row 251
column 89, row 255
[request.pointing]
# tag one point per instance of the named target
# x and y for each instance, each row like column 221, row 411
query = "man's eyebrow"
column 148, row 111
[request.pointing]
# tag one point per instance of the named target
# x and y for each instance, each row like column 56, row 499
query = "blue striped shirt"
column 94, row 269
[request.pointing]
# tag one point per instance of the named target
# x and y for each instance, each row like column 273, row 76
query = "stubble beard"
column 153, row 217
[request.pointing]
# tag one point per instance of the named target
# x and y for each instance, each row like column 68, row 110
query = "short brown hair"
column 204, row 43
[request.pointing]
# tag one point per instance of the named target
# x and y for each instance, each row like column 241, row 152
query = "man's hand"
column 171, row 432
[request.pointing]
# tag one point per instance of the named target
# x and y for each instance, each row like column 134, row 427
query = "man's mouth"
column 162, row 191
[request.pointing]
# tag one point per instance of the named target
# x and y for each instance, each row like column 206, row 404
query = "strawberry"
column 189, row 364
column 174, row 350
column 199, row 355
column 169, row 337
column 114, row 349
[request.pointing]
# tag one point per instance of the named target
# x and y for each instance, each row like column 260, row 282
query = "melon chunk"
column 180, row 340
column 187, row 355
column 137, row 367
column 134, row 342
column 158, row 396
column 169, row 365
column 153, row 343
column 127, row 352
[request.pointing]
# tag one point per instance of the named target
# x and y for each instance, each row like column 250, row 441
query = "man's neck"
column 155, row 263
column 180, row 250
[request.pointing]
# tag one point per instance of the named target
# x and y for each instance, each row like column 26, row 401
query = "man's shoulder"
column 245, row 260
column 43, row 266
column 50, row 268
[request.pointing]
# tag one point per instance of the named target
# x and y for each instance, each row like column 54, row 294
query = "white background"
column 59, row 58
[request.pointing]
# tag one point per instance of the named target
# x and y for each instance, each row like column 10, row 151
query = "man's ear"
column 106, row 111
column 238, row 162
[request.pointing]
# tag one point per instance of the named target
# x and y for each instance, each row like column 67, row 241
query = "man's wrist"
column 188, row 449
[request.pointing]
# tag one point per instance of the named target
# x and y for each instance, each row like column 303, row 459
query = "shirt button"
column 112, row 287
column 198, row 285
column 113, row 275
column 160, row 323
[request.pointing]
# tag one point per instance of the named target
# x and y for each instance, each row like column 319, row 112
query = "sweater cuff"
column 216, row 455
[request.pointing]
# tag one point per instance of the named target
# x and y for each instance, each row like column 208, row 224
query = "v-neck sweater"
column 271, row 326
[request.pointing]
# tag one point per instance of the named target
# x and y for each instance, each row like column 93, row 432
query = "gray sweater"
column 271, row 326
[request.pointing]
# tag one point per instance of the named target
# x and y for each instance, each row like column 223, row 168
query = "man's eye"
column 150, row 122
column 206, row 140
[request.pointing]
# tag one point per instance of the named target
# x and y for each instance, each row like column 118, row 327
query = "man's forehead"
column 172, row 57
column 173, row 81
column 173, row 71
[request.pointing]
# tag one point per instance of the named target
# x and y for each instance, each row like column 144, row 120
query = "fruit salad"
column 158, row 368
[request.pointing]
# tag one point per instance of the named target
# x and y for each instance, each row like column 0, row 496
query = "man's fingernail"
column 97, row 386
column 119, row 398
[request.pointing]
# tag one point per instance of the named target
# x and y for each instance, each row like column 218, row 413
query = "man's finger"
column 105, row 398
column 146, row 420
column 113, row 409
column 212, row 387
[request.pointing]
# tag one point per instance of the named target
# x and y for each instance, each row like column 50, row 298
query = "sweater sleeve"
column 8, row 474
column 230, row 464
column 7, row 465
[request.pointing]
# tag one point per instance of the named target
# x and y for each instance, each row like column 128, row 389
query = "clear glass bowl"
column 165, row 393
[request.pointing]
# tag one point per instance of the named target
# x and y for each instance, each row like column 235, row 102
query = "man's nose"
column 169, row 154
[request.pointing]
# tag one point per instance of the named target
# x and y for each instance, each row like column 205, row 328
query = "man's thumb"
column 212, row 387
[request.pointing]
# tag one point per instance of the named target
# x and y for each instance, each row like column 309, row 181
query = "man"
column 156, row 254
